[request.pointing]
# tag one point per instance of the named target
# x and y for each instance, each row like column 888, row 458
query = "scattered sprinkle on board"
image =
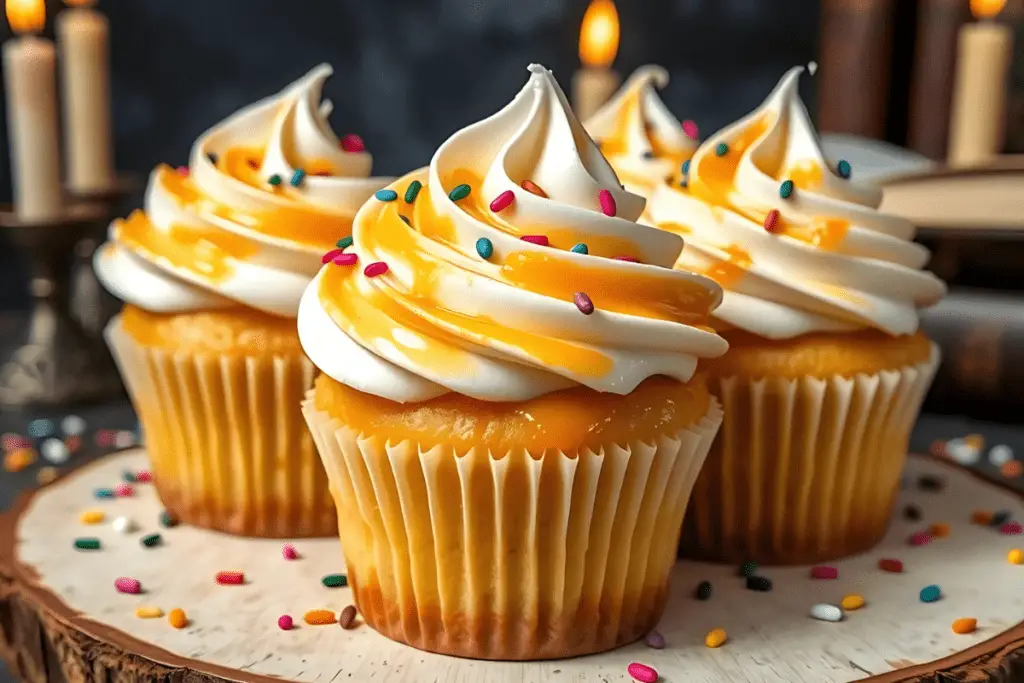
column 715, row 638
column 965, row 625
column 347, row 618
column 852, row 602
column 930, row 593
column 655, row 640
column 642, row 672
column 319, row 617
column 177, row 618
column 335, row 581
column 825, row 612
column 148, row 612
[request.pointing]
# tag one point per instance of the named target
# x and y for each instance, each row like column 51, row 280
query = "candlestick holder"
column 56, row 363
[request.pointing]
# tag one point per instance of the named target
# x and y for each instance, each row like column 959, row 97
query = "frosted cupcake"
column 211, row 272
column 639, row 136
column 826, row 370
column 506, row 411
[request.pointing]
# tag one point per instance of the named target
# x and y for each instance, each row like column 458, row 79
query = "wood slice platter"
column 62, row 620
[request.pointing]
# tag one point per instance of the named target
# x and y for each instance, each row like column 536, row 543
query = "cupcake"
column 826, row 369
column 211, row 273
column 638, row 135
column 507, row 411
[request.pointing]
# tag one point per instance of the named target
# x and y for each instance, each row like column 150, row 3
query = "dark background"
column 408, row 73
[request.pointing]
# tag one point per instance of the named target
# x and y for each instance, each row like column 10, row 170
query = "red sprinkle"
column 230, row 578
column 691, row 130
column 583, row 303
column 771, row 221
column 376, row 268
column 920, row 538
column 331, row 255
column 12, row 442
column 503, row 200
column 541, row 240
column 183, row 171
column 123, row 490
column 105, row 438
column 889, row 564
column 607, row 202
column 352, row 143
column 144, row 477
column 533, row 188
column 642, row 672
column 630, row 259
column 345, row 259
column 284, row 622
column 1011, row 529
column 289, row 552
column 126, row 585
column 824, row 572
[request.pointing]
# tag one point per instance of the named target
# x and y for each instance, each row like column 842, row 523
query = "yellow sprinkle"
column 46, row 475
column 975, row 441
column 715, row 638
column 177, row 618
column 317, row 617
column 853, row 601
column 965, row 625
column 92, row 516
column 940, row 530
column 143, row 612
column 1016, row 556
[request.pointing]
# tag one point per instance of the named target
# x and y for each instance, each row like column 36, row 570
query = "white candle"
column 979, row 91
column 599, row 42
column 30, row 84
column 83, row 37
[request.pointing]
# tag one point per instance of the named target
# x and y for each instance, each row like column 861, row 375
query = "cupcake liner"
column 226, row 439
column 804, row 470
column 512, row 556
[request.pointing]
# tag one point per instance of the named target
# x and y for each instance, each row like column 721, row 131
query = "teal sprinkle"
column 151, row 540
column 335, row 581
column 298, row 177
column 930, row 593
column 168, row 519
column 683, row 183
column 274, row 180
column 484, row 248
column 344, row 242
column 844, row 168
column 722, row 149
column 386, row 195
column 87, row 544
column 686, row 167
column 104, row 493
column 128, row 476
column 413, row 190
column 459, row 192
column 580, row 248
column 786, row 189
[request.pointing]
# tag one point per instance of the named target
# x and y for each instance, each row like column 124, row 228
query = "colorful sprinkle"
column 123, row 525
column 151, row 540
column 459, row 192
column 128, row 585
column 771, row 221
column 844, row 168
column 920, row 538
column 607, row 202
column 655, row 640
column 319, row 617
column 335, row 581
column 965, row 625
column 912, row 512
column 930, row 593
column 344, row 242
column 285, row 623
column 176, row 618
column 19, row 460
column 825, row 612
column 386, row 195
column 721, row 149
column 183, row 171
column 55, row 451
column 124, row 490
column 485, row 248
column 73, row 443
column 1011, row 529
column 345, row 259
column 46, row 475
column 642, row 672
column 413, row 190
column 92, row 516
column 983, row 517
column 748, row 569
column 583, row 303
column 1012, row 469
column 628, row 259
column 759, row 583
column 703, row 591
column 230, row 578
column 533, row 188
column 889, row 564
column 331, row 255
column 144, row 477
column 297, row 177
column 691, row 130
column 289, row 552
column 147, row 612
column 352, row 143
column 1015, row 556
column 274, row 180
column 87, row 544
column 539, row 240
column 104, row 493
column 169, row 519
column 10, row 441
column 686, row 167
column 939, row 530
column 347, row 618
column 929, row 482
column 715, row 638
column 1000, row 518
column 376, row 268
column 852, row 602
column 503, row 201
column 580, row 248
column 824, row 572
column 786, row 189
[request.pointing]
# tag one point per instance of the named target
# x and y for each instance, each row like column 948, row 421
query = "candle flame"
column 599, row 34
column 986, row 9
column 26, row 16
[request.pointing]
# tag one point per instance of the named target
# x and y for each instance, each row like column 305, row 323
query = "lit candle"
column 83, row 37
column 979, row 95
column 31, row 89
column 599, row 42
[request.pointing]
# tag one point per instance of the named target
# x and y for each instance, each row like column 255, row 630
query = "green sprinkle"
column 844, row 168
column 274, row 180
column 703, row 591
column 722, row 149
column 459, row 192
column 413, row 190
column 104, row 493
column 168, row 519
column 386, row 195
column 152, row 540
column 344, row 242
column 686, row 167
column 87, row 543
column 748, row 569
column 786, row 189
column 298, row 177
column 484, row 247
column 580, row 248
column 335, row 581
column 128, row 476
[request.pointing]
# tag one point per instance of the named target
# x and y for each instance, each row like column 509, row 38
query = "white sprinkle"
column 55, row 451
column 124, row 439
column 1000, row 455
column 962, row 452
column 812, row 68
column 72, row 425
column 124, row 525
column 825, row 612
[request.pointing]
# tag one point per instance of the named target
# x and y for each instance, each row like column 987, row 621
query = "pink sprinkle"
column 824, row 572
column 284, row 622
column 345, row 259
column 144, row 477
column 123, row 490
column 920, row 538
column 12, row 442
column 583, row 303
column 330, row 256
column 183, row 171
column 289, row 552
column 503, row 200
column 125, row 585
column 352, row 143
column 541, row 240
column 642, row 672
column 630, row 259
column 1011, row 529
column 105, row 438
column 691, row 130
column 376, row 268
column 230, row 578
column 607, row 202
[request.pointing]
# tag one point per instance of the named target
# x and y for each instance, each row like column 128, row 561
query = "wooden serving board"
column 62, row 620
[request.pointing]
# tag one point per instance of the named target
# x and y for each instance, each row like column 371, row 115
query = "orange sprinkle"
column 533, row 188
column 981, row 517
column 1012, row 469
column 938, row 448
column 176, row 617
column 319, row 617
column 46, row 475
column 19, row 459
column 939, row 530
column 965, row 625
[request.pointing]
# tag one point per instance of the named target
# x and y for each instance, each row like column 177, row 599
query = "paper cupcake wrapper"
column 226, row 439
column 515, row 556
column 804, row 470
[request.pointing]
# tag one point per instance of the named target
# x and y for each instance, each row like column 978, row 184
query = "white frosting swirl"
column 832, row 263
column 241, row 227
column 503, row 326
column 637, row 133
